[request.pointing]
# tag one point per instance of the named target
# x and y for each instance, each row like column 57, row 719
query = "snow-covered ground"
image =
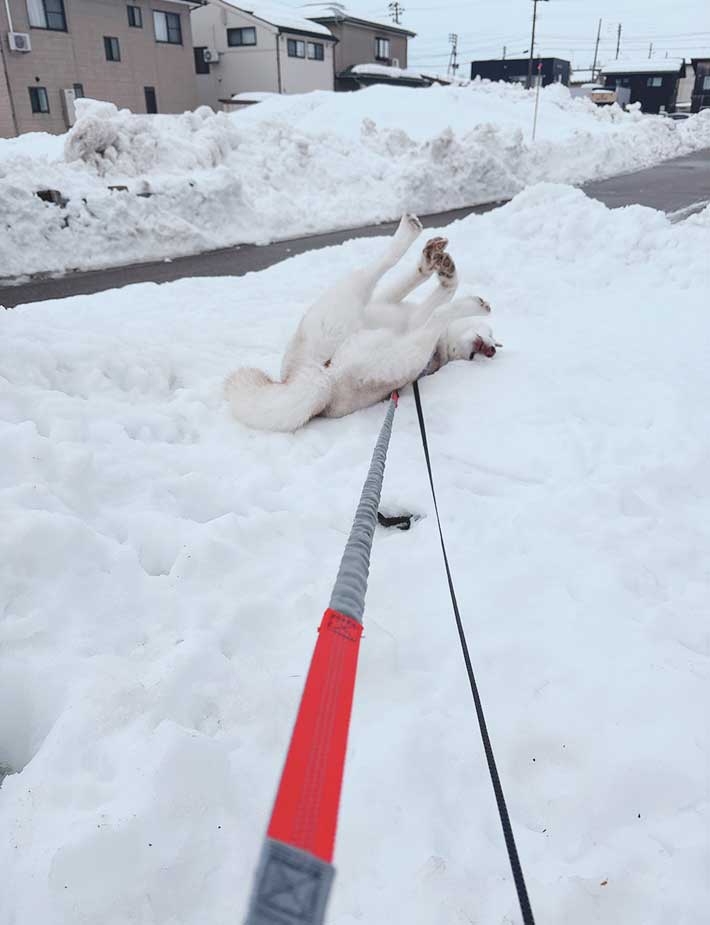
column 299, row 164
column 163, row 572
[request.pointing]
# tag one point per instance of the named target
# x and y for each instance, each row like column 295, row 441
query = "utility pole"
column 396, row 9
column 505, row 49
column 650, row 50
column 453, row 63
column 618, row 40
column 596, row 50
column 528, row 82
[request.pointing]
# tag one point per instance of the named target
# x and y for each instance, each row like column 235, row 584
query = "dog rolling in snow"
column 356, row 345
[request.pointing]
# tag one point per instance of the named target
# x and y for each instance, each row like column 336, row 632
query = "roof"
column 384, row 71
column 336, row 12
column 647, row 66
column 383, row 74
column 255, row 96
column 524, row 60
column 285, row 19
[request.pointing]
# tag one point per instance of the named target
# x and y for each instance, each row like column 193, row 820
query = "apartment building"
column 137, row 55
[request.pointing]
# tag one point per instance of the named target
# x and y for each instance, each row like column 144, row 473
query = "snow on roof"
column 339, row 11
column 256, row 96
column 647, row 66
column 385, row 71
column 280, row 16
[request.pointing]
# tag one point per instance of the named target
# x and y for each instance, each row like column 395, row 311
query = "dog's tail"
column 263, row 404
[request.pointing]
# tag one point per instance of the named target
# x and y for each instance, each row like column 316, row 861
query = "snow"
column 253, row 96
column 339, row 11
column 281, row 16
column 163, row 572
column 303, row 164
column 647, row 66
column 384, row 70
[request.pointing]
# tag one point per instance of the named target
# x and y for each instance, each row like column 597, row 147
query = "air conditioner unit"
column 19, row 41
column 68, row 98
column 210, row 55
column 395, row 62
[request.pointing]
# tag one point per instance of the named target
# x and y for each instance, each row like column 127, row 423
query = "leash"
column 295, row 873
column 510, row 845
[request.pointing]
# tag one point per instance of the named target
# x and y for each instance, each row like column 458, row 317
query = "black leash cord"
column 517, row 870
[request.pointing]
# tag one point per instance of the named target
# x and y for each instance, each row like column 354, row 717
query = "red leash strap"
column 305, row 812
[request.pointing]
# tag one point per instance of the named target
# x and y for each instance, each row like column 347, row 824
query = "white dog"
column 354, row 347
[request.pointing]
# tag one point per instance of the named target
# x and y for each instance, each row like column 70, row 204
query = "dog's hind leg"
column 362, row 282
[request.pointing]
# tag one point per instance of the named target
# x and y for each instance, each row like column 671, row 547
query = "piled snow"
column 303, row 164
column 163, row 571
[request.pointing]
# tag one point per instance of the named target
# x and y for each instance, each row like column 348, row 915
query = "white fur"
column 353, row 348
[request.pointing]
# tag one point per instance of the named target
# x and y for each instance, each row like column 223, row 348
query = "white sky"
column 566, row 28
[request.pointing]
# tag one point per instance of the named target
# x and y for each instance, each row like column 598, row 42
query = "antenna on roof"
column 396, row 9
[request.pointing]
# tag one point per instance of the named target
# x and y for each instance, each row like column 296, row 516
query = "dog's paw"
column 409, row 229
column 431, row 253
column 446, row 270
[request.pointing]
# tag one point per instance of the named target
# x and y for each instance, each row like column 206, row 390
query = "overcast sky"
column 566, row 28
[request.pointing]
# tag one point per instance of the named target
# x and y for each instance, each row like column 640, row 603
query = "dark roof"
column 378, row 77
column 525, row 59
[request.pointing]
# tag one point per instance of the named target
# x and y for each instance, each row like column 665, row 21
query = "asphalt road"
column 672, row 186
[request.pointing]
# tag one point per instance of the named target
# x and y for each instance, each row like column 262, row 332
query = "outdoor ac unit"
column 19, row 41
column 210, row 55
column 68, row 98
column 395, row 62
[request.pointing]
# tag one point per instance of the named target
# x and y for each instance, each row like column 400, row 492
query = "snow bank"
column 145, row 187
column 163, row 571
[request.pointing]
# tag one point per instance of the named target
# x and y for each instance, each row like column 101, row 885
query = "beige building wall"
column 356, row 44
column 264, row 67
column 61, row 59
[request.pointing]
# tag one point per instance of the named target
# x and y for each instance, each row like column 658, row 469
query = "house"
column 365, row 42
column 136, row 55
column 652, row 82
column 515, row 70
column 242, row 47
column 700, row 98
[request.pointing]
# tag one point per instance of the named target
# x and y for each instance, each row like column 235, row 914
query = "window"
column 112, row 48
column 236, row 37
column 296, row 49
column 39, row 99
column 47, row 14
column 167, row 28
column 201, row 66
column 135, row 17
column 622, row 82
column 151, row 102
column 654, row 82
column 706, row 83
column 382, row 49
column 78, row 91
column 316, row 51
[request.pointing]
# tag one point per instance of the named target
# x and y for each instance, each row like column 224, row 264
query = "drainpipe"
column 9, row 15
column 7, row 76
column 278, row 60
